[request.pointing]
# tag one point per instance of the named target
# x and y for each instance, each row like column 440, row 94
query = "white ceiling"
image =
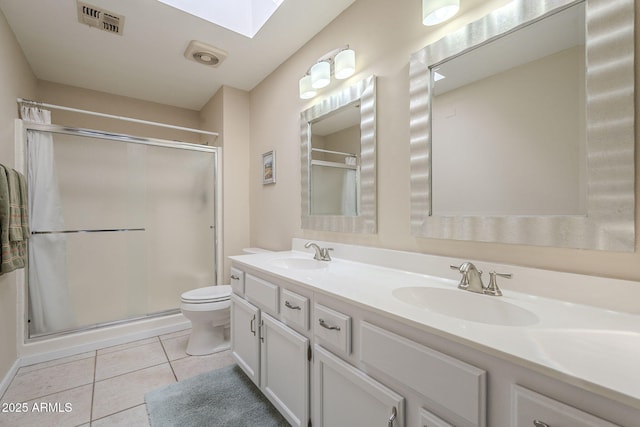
column 146, row 61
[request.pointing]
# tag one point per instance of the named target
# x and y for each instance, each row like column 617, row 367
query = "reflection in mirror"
column 335, row 172
column 522, row 128
column 337, row 139
column 487, row 108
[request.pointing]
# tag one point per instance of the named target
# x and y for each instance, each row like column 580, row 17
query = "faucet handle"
column 324, row 252
column 492, row 288
column 464, row 270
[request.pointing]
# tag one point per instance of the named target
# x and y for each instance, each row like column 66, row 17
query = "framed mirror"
column 338, row 154
column 522, row 128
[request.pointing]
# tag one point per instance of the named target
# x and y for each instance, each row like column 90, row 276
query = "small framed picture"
column 269, row 167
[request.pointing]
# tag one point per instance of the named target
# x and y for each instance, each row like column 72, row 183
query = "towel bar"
column 89, row 231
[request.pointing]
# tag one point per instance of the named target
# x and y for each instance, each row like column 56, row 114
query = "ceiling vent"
column 205, row 54
column 100, row 18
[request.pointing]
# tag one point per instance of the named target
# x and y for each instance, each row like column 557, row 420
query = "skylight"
column 245, row 17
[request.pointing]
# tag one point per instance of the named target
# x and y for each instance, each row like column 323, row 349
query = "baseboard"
column 46, row 356
column 6, row 381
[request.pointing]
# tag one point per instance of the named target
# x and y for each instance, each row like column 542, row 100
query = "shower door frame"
column 23, row 126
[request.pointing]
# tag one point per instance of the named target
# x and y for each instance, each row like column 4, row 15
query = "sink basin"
column 566, row 347
column 467, row 305
column 299, row 263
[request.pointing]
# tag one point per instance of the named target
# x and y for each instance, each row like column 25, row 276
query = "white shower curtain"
column 49, row 297
column 349, row 193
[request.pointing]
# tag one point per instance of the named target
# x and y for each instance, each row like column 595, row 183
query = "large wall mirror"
column 338, row 151
column 522, row 128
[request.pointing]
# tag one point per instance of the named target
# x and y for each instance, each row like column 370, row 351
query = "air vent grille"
column 100, row 18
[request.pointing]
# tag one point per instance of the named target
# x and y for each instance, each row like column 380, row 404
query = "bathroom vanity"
column 370, row 339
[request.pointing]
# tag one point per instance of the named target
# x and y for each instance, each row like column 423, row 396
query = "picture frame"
column 269, row 167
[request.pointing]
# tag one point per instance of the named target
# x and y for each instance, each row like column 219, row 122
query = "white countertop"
column 592, row 348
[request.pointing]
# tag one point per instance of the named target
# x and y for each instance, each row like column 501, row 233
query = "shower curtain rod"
column 111, row 116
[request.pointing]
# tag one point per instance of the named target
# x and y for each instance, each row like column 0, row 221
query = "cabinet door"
column 345, row 396
column 245, row 342
column 427, row 419
column 285, row 370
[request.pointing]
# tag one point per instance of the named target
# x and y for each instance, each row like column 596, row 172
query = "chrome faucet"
column 322, row 254
column 472, row 279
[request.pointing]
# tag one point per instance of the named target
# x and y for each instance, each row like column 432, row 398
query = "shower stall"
column 120, row 227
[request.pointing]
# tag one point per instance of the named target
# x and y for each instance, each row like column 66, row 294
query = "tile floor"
column 104, row 387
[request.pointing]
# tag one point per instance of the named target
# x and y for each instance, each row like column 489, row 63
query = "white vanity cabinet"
column 273, row 355
column 531, row 409
column 346, row 396
column 366, row 375
column 369, row 367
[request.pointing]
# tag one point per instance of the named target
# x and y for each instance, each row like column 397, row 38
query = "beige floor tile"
column 175, row 334
column 55, row 362
column 53, row 379
column 176, row 347
column 134, row 417
column 129, row 359
column 128, row 345
column 67, row 408
column 194, row 365
column 126, row 391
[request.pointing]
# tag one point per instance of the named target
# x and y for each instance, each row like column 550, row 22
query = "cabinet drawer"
column 531, row 409
column 236, row 280
column 454, row 385
column 332, row 327
column 294, row 309
column 262, row 293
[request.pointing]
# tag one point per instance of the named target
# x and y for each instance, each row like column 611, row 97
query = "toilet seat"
column 207, row 295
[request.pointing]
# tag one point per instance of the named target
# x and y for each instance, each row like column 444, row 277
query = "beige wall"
column 383, row 35
column 486, row 126
column 85, row 99
column 16, row 80
column 228, row 113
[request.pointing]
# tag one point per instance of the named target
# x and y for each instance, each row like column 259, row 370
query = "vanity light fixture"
column 339, row 63
column 435, row 12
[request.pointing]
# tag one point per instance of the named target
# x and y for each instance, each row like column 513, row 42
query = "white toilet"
column 208, row 310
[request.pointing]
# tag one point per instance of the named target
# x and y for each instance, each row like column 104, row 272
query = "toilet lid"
column 207, row 294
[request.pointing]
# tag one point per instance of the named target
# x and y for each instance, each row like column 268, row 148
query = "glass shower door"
column 136, row 229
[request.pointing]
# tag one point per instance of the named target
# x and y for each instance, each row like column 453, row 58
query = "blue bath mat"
column 224, row 397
